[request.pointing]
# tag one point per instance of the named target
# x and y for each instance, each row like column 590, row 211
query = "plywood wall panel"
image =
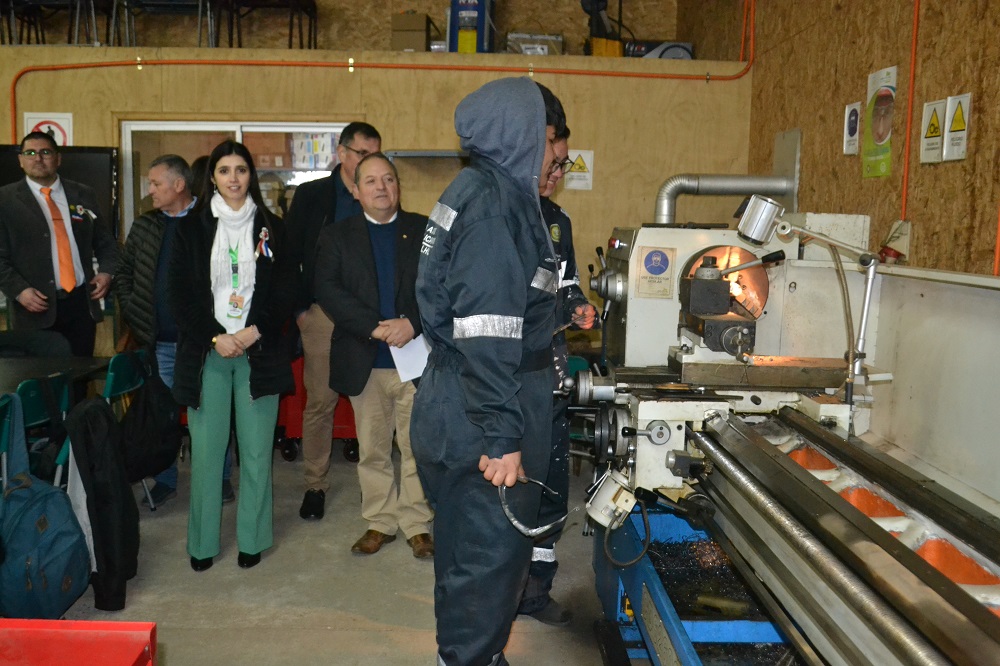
column 365, row 26
column 642, row 131
column 712, row 27
column 814, row 58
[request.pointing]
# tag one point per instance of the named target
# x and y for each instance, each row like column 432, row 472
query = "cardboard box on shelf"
column 528, row 44
column 410, row 32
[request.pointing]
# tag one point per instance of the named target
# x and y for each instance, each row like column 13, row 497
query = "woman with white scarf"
column 231, row 293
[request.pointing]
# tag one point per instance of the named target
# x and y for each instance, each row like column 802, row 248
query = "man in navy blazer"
column 47, row 289
column 366, row 283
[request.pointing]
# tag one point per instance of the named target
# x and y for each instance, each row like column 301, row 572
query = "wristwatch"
column 215, row 339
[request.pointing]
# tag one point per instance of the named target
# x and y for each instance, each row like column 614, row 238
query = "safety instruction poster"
column 876, row 146
column 656, row 272
column 581, row 175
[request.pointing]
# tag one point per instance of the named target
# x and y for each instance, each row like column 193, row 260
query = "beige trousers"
column 317, row 418
column 382, row 407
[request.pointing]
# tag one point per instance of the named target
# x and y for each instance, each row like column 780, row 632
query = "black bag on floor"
column 44, row 560
column 151, row 429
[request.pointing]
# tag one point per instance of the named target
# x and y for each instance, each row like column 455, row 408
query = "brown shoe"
column 422, row 545
column 371, row 541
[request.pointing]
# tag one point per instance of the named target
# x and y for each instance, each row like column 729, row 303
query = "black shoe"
column 351, row 452
column 312, row 504
column 160, row 493
column 553, row 614
column 201, row 565
column 228, row 494
column 246, row 561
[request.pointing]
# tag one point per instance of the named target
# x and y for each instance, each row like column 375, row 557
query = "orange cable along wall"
column 909, row 109
column 351, row 64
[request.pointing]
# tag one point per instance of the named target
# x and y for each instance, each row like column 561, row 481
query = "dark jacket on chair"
column 347, row 289
column 189, row 293
column 95, row 438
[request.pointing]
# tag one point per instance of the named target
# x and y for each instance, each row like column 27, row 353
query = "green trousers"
column 226, row 382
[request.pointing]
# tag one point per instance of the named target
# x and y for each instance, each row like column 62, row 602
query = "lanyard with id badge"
column 236, row 302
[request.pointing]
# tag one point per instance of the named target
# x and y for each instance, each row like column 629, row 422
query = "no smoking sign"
column 57, row 125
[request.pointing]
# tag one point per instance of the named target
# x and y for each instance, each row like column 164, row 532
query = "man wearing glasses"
column 573, row 311
column 315, row 205
column 50, row 233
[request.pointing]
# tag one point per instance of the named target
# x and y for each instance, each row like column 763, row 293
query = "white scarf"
column 235, row 230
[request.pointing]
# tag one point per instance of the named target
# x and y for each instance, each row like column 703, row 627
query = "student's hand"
column 585, row 316
column 101, row 283
column 396, row 332
column 503, row 470
column 33, row 300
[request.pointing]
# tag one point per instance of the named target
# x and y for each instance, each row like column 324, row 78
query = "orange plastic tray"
column 60, row 642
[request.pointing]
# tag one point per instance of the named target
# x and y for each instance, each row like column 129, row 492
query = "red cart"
column 290, row 408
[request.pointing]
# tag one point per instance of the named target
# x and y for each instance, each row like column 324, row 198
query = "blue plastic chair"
column 124, row 378
column 36, row 411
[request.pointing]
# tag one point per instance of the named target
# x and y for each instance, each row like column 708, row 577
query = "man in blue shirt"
column 366, row 283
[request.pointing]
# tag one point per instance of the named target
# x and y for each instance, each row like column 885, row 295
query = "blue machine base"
column 634, row 598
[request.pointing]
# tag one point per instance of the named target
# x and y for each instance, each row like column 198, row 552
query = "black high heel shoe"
column 201, row 565
column 245, row 560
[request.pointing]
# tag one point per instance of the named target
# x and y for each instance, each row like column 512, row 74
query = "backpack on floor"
column 151, row 427
column 44, row 560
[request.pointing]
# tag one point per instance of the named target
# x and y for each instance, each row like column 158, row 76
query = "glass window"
column 285, row 154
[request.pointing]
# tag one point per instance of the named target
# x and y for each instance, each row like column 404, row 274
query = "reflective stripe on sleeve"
column 488, row 326
column 442, row 215
column 544, row 279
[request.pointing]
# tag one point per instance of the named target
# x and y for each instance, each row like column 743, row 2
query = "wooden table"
column 14, row 370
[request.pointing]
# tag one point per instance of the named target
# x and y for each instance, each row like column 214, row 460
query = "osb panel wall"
column 713, row 27
column 641, row 130
column 814, row 58
column 357, row 26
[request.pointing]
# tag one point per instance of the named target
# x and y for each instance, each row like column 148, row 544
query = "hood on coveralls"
column 504, row 121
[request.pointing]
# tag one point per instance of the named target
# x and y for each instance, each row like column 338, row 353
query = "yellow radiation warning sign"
column 933, row 127
column 958, row 120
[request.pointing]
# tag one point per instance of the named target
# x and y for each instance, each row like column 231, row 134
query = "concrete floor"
column 310, row 601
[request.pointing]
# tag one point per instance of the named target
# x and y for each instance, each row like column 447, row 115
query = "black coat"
column 314, row 206
column 347, row 289
column 134, row 282
column 189, row 293
column 95, row 437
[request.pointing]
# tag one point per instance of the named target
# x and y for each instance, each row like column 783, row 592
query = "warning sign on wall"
column 57, row 125
column 581, row 175
column 956, row 126
column 932, row 133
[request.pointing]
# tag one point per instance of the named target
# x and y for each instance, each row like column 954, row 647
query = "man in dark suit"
column 366, row 283
column 316, row 205
column 50, row 232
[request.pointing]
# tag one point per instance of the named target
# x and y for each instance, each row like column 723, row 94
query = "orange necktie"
column 67, row 276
